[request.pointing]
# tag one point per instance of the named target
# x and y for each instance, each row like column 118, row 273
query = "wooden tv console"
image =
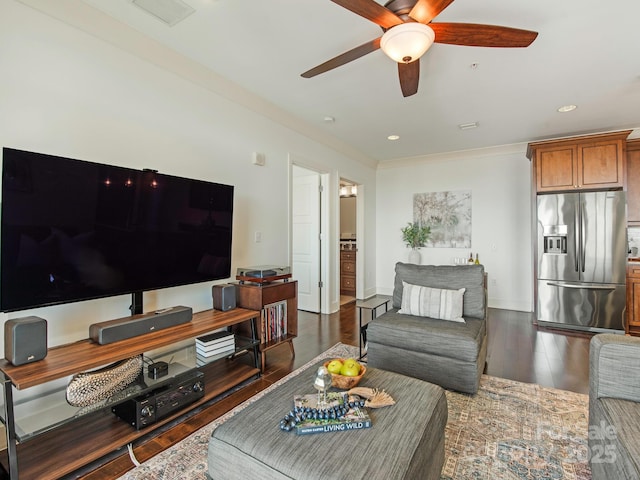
column 57, row 446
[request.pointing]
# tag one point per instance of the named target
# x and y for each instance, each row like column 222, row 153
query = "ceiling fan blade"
column 476, row 35
column 346, row 57
column 371, row 10
column 426, row 10
column 409, row 74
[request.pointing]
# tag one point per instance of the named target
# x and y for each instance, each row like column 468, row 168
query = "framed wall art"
column 447, row 214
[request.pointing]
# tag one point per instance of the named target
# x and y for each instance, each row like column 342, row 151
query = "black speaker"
column 135, row 325
column 224, row 297
column 25, row 340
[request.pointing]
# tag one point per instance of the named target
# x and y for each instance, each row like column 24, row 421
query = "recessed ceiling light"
column 567, row 108
column 393, row 137
column 468, row 126
column 329, row 119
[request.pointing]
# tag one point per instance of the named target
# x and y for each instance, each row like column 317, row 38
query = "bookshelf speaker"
column 25, row 340
column 224, row 297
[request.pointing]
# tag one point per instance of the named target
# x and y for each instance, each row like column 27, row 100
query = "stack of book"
column 214, row 344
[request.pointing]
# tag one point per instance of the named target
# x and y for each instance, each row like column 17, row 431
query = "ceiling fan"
column 407, row 23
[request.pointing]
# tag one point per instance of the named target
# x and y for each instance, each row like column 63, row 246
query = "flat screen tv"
column 74, row 230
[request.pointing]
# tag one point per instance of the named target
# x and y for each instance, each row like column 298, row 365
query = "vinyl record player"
column 263, row 274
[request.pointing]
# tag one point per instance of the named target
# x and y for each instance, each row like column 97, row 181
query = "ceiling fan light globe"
column 407, row 42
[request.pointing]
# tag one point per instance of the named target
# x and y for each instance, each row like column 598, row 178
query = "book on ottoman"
column 352, row 417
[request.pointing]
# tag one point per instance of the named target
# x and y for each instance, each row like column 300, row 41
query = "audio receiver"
column 152, row 406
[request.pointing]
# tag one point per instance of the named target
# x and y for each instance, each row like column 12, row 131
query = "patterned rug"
column 511, row 430
column 507, row 431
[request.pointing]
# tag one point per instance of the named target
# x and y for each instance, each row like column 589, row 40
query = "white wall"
column 68, row 93
column 499, row 181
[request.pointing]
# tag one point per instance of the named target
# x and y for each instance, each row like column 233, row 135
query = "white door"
column 306, row 237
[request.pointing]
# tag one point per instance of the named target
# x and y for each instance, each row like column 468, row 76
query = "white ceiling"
column 587, row 54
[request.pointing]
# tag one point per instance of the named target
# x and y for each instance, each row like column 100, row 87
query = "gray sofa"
column 614, row 407
column 448, row 353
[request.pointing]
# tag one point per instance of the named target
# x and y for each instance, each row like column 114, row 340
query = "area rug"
column 511, row 430
column 507, row 431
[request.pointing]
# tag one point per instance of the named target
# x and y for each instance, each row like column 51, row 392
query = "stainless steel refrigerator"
column 581, row 264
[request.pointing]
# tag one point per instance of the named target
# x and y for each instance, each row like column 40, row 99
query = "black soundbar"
column 136, row 325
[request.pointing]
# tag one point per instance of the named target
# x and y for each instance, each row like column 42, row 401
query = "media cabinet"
column 48, row 439
column 277, row 302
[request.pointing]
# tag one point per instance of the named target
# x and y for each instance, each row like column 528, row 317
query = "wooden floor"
column 517, row 350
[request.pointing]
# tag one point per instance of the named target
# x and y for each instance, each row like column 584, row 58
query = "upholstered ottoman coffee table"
column 405, row 441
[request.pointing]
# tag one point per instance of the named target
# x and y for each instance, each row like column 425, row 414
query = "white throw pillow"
column 437, row 303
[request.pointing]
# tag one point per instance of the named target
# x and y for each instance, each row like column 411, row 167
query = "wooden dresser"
column 348, row 272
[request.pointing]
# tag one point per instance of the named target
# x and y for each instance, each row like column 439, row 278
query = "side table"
column 372, row 304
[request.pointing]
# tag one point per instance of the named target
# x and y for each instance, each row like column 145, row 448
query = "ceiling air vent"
column 168, row 11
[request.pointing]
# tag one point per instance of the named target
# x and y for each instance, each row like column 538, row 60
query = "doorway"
column 348, row 241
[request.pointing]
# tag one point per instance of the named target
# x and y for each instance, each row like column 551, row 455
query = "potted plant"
column 415, row 236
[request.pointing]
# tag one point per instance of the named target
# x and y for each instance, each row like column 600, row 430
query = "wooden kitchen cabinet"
column 347, row 272
column 592, row 162
column 632, row 326
column 633, row 182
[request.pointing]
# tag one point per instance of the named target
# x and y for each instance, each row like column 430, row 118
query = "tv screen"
column 75, row 230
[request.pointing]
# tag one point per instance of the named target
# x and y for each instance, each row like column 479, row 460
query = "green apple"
column 350, row 368
column 334, row 366
column 352, row 362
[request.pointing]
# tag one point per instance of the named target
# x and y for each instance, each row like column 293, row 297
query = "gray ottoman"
column 406, row 440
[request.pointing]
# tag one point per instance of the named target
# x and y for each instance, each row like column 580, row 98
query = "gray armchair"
column 614, row 407
column 448, row 352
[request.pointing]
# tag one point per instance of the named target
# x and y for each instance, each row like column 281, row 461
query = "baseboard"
column 502, row 304
column 370, row 292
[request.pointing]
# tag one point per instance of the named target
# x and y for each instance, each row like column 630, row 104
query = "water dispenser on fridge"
column 554, row 238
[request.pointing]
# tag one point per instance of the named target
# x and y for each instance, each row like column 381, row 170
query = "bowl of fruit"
column 346, row 373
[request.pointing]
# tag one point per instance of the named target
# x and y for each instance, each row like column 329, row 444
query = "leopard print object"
column 87, row 388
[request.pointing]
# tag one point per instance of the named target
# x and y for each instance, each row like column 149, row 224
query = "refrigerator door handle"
column 583, row 246
column 576, row 238
column 581, row 287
